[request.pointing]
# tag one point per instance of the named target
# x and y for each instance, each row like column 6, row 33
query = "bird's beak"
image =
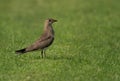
column 54, row 20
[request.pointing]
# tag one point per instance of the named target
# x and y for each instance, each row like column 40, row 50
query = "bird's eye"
column 49, row 20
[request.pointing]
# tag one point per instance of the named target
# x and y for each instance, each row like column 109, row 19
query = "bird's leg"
column 42, row 53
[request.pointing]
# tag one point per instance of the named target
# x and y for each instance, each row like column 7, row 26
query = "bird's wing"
column 44, row 37
column 39, row 43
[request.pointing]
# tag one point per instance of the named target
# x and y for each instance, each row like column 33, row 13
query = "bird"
column 44, row 41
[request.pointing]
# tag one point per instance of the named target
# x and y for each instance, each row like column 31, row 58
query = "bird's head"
column 50, row 21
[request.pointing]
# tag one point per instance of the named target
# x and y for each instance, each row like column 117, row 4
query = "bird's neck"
column 49, row 29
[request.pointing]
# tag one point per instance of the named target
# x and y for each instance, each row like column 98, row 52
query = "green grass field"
column 86, row 46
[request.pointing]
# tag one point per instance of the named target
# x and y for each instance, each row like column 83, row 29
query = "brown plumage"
column 44, row 41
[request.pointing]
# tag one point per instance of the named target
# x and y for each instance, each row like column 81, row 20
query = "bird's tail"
column 21, row 51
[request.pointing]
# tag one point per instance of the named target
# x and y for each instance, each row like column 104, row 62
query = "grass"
column 86, row 46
